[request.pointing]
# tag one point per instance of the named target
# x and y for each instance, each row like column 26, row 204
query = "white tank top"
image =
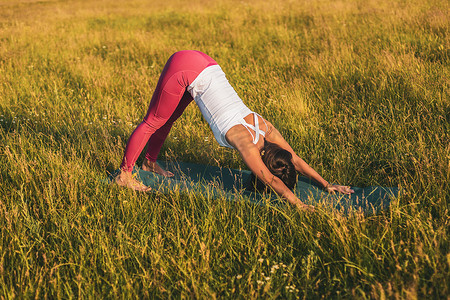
column 220, row 105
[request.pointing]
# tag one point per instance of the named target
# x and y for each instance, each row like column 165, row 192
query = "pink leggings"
column 168, row 103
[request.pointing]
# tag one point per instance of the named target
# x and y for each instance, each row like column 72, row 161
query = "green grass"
column 358, row 88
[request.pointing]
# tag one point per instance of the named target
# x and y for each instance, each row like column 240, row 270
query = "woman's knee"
column 153, row 122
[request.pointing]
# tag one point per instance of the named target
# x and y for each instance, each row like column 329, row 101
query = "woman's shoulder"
column 239, row 137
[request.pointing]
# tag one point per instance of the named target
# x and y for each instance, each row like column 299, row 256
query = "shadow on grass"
column 234, row 185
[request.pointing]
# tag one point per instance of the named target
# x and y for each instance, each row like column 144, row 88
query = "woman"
column 190, row 75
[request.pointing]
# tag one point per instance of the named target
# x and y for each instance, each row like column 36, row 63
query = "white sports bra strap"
column 255, row 128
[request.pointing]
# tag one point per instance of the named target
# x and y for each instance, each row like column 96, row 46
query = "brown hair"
column 279, row 163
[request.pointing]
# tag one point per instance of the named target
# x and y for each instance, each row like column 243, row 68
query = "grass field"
column 360, row 89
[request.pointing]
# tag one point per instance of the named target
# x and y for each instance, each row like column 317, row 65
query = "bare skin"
column 239, row 137
column 126, row 178
column 152, row 166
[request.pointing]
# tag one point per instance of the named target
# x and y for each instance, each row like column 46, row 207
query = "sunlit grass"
column 358, row 88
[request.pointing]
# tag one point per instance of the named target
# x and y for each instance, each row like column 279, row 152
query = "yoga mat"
column 232, row 184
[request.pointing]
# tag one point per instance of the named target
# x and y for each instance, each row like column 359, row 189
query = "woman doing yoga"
column 192, row 75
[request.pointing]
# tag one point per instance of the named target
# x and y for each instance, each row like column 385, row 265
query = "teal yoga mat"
column 234, row 185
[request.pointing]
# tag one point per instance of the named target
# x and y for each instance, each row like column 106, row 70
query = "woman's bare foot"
column 152, row 166
column 126, row 179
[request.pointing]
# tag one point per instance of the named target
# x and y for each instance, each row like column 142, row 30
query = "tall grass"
column 358, row 88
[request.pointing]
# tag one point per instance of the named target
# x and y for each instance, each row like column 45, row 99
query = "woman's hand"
column 333, row 188
column 305, row 207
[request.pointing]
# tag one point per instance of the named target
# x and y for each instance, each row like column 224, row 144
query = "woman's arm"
column 242, row 141
column 274, row 136
column 252, row 159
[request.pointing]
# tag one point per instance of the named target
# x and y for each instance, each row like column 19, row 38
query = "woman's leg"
column 161, row 108
column 166, row 104
column 157, row 139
